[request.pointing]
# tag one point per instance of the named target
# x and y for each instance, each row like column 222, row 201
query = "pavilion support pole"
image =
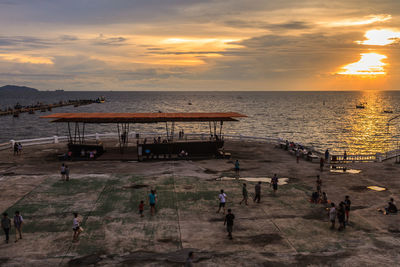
column 79, row 133
column 83, row 134
column 215, row 128
column 209, row 123
column 220, row 130
column 172, row 131
column 119, row 138
column 166, row 128
column 75, row 133
column 69, row 133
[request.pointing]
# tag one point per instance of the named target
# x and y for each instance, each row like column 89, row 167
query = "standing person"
column 189, row 260
column 152, row 201
column 18, row 221
column 76, row 227
column 327, row 155
column 237, row 168
column 229, row 222
column 6, row 225
column 19, row 148
column 141, row 208
column 321, row 164
column 245, row 194
column 345, row 155
column 297, row 155
column 341, row 216
column 66, row 173
column 62, row 171
column 257, row 189
column 274, row 182
column 347, row 204
column 222, row 200
column 319, row 184
column 332, row 215
column 15, row 148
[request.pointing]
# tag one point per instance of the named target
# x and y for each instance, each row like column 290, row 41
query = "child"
column 76, row 227
column 141, row 208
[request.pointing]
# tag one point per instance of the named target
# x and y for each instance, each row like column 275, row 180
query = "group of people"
column 342, row 213
column 6, row 225
column 64, row 172
column 17, row 148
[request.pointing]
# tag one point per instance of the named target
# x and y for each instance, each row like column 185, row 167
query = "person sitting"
column 391, row 208
column 324, row 198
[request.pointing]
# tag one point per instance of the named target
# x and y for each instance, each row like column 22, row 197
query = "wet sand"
column 285, row 229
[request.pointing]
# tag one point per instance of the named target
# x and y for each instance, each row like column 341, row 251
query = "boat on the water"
column 361, row 105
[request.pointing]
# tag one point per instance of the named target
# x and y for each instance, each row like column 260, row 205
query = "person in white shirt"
column 76, row 227
column 222, row 200
column 332, row 215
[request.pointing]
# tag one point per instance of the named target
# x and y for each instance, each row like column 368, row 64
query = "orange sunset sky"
column 200, row 45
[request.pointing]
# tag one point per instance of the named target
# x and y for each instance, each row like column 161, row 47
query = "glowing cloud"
column 367, row 20
column 380, row 37
column 25, row 59
column 369, row 64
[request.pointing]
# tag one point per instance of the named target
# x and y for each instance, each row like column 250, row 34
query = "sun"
column 369, row 64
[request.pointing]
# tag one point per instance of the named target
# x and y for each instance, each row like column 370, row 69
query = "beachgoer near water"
column 332, row 215
column 229, row 222
column 15, row 149
column 257, row 196
column 66, row 173
column 345, row 155
column 245, row 194
column 6, row 225
column 347, row 204
column 18, row 221
column 274, row 182
column 62, row 172
column 222, row 200
column 315, row 197
column 327, row 155
column 152, row 202
column 237, row 168
column 141, row 208
column 19, row 148
column 341, row 214
column 189, row 260
column 76, row 227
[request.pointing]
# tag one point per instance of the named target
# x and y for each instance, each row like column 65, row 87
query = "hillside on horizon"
column 17, row 89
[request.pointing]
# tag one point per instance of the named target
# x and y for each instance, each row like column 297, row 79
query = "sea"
column 322, row 120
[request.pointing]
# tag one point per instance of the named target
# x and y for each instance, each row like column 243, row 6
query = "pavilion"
column 167, row 147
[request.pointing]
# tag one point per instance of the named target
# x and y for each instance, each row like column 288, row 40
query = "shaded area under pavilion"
column 167, row 147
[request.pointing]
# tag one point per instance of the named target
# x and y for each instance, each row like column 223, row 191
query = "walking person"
column 152, row 202
column 189, row 260
column 229, row 222
column 141, row 208
column 245, row 194
column 347, row 204
column 257, row 189
column 274, row 183
column 66, row 173
column 297, row 155
column 6, row 225
column 332, row 215
column 76, row 227
column 237, row 168
column 222, row 200
column 62, row 171
column 18, row 221
column 321, row 164
column 341, row 216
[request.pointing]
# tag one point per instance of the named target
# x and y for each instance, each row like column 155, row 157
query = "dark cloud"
column 289, row 25
column 68, row 38
column 109, row 41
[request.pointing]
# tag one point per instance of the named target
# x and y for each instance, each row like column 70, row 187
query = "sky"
column 192, row 45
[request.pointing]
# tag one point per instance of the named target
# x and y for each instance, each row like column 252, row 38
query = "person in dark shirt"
column 6, row 225
column 347, row 204
column 341, row 216
column 391, row 208
column 257, row 196
column 245, row 195
column 229, row 222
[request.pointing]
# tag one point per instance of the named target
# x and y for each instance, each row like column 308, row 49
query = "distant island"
column 9, row 89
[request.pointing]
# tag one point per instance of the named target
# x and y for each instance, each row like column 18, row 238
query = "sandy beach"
column 285, row 229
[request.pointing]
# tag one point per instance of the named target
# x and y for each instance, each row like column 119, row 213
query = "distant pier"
column 47, row 107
